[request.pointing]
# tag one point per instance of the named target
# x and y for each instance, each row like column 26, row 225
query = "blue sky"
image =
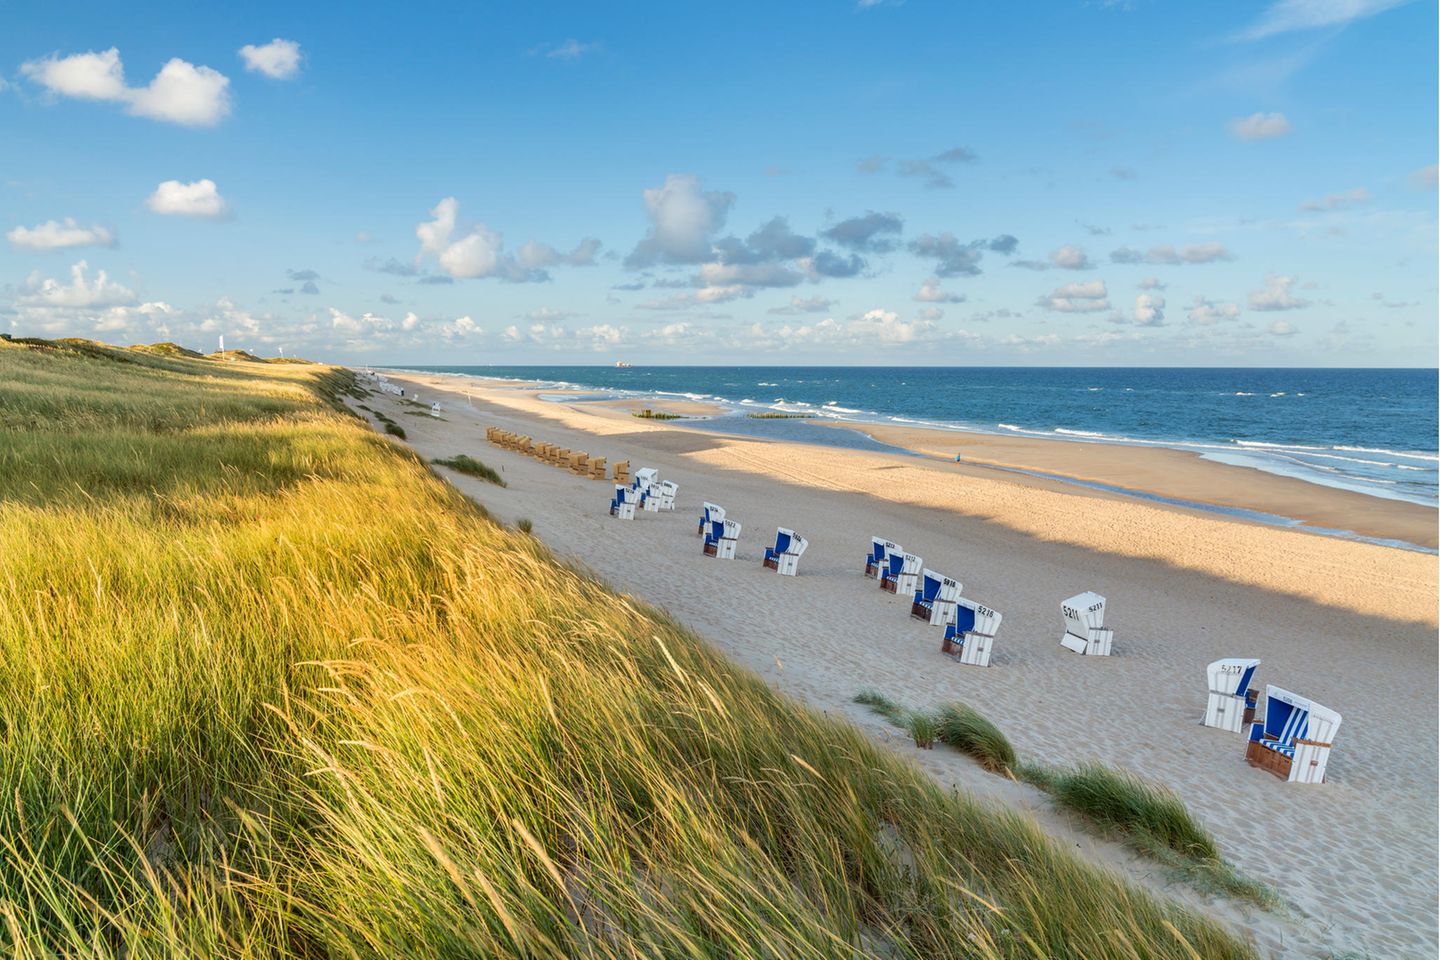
column 921, row 182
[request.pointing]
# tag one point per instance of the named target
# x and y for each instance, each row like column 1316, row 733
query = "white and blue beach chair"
column 880, row 548
column 666, row 494
column 972, row 634
column 784, row 557
column 622, row 505
column 901, row 573
column 1294, row 740
column 721, row 539
column 1232, row 701
column 934, row 602
column 1085, row 630
column 435, row 409
column 709, row 513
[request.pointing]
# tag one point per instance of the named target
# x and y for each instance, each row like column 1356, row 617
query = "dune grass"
column 467, row 464
column 274, row 689
column 966, row 730
column 1121, row 799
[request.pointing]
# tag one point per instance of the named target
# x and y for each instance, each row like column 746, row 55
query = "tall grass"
column 274, row 689
column 467, row 464
column 1122, row 799
column 963, row 728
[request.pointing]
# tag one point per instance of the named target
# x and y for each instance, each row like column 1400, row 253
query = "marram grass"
column 274, row 690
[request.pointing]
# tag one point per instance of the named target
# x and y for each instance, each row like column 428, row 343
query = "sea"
column 1373, row 431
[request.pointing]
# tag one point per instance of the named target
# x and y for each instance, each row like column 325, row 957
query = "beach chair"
column 622, row 471
column 667, row 491
column 935, row 601
column 1085, row 630
column 579, row 463
column 597, row 468
column 901, row 573
column 721, row 539
column 784, row 557
column 1294, row 740
column 709, row 513
column 1232, row 701
column 646, row 484
column 622, row 505
column 562, row 457
column 972, row 634
column 875, row 559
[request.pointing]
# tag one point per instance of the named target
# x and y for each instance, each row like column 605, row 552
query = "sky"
column 1149, row 182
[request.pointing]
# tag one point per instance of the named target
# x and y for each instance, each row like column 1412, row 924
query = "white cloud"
column 180, row 93
column 683, row 218
column 1338, row 201
column 1080, row 297
column 1276, row 295
column 1426, row 177
column 930, row 292
column 1151, row 283
column 198, row 199
column 569, row 49
column 1070, row 257
column 1149, row 310
column 804, row 305
column 81, row 291
column 481, row 252
column 1207, row 313
column 55, row 235
column 1282, row 328
column 278, row 59
column 1164, row 253
column 1285, row 16
column 1260, row 126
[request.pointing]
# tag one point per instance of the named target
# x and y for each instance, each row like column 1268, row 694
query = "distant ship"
column 621, row 363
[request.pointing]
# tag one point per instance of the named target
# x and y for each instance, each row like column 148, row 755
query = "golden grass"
column 274, row 689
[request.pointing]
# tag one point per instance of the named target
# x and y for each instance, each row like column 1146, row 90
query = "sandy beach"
column 1350, row 624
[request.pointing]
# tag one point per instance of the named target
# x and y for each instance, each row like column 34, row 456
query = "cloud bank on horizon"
column 662, row 208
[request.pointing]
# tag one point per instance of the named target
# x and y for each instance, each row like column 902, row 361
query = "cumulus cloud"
column 1207, row 313
column 200, row 198
column 1070, row 257
column 934, row 177
column 683, row 218
column 929, row 169
column 930, row 292
column 1260, row 126
column 871, row 233
column 1149, row 310
column 1338, row 201
column 279, row 59
column 953, row 258
column 1282, row 328
column 1151, row 283
column 875, row 328
column 1088, row 296
column 57, row 235
column 828, row 264
column 80, row 292
column 180, row 93
column 1286, row 16
column 1276, row 294
column 557, row 336
column 1195, row 253
column 1004, row 244
column 480, row 252
column 799, row 305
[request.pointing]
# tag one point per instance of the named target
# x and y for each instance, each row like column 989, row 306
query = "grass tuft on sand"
column 466, row 464
column 275, row 689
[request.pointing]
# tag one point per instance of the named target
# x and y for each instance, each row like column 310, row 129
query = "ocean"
column 1370, row 431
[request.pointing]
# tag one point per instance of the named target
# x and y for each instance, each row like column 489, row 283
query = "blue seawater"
column 1369, row 430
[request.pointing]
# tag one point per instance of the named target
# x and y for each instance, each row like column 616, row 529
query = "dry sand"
column 1350, row 624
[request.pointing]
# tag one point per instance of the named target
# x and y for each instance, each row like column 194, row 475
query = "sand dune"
column 1349, row 624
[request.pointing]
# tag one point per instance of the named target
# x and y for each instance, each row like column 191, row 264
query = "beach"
column 1347, row 623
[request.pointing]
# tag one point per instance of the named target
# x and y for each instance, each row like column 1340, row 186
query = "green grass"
column 966, row 730
column 1121, row 799
column 467, row 464
column 274, row 689
column 394, row 429
column 779, row 416
column 922, row 726
column 648, row 414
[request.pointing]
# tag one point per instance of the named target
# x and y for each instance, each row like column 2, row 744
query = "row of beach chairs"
column 720, row 536
column 576, row 461
column 1289, row 735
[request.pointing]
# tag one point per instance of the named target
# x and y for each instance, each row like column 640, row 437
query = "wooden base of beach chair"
column 920, row 612
column 710, row 550
column 597, row 468
column 974, row 650
column 1263, row 757
column 872, row 569
column 887, row 585
column 770, row 564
